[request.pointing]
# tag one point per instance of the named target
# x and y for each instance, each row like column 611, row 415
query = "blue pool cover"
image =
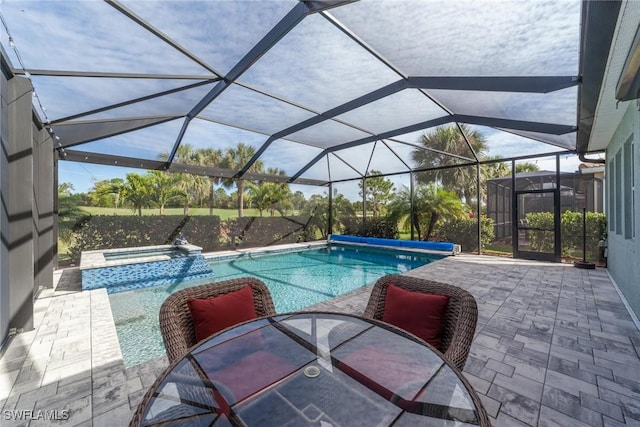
column 447, row 247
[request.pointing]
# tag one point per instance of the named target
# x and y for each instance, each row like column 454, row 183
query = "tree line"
column 442, row 193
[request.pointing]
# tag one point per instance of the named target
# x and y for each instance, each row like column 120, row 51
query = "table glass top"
column 312, row 369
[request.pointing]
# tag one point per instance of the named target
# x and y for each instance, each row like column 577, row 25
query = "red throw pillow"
column 416, row 312
column 215, row 314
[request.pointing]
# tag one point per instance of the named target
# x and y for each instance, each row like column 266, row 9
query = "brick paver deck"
column 554, row 346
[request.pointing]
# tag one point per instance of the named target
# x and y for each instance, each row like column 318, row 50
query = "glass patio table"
column 311, row 369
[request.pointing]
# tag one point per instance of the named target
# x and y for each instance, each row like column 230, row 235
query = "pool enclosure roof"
column 321, row 90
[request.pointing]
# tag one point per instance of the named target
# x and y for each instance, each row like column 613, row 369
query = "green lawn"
column 222, row 213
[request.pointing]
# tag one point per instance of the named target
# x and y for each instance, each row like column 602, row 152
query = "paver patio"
column 554, row 346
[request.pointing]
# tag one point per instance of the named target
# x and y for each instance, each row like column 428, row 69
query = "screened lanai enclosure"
column 334, row 99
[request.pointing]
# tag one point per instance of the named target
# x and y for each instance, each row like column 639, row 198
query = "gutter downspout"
column 582, row 158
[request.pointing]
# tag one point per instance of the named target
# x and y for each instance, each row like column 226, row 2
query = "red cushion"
column 416, row 312
column 215, row 314
column 251, row 373
column 364, row 365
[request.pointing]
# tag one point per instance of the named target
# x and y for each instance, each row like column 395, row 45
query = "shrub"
column 203, row 231
column 383, row 227
column 571, row 225
column 263, row 231
column 540, row 241
column 112, row 231
column 464, row 232
column 572, row 230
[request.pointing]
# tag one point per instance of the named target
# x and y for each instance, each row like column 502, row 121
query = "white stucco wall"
column 624, row 253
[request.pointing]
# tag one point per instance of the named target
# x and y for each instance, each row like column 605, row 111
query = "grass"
column 222, row 213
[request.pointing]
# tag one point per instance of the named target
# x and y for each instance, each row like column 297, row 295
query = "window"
column 611, row 173
column 618, row 190
column 629, row 190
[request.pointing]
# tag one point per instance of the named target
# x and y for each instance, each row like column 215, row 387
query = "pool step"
column 126, row 277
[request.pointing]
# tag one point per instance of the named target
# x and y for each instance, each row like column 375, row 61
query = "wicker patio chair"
column 176, row 324
column 459, row 323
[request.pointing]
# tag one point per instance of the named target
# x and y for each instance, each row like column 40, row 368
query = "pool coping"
column 294, row 247
column 95, row 259
column 277, row 249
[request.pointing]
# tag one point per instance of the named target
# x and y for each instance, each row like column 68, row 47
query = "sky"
column 84, row 175
column 315, row 67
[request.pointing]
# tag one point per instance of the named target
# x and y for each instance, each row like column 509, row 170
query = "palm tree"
column 235, row 159
column 269, row 195
column 461, row 180
column 163, row 188
column 210, row 157
column 527, row 167
column 69, row 214
column 431, row 204
column 495, row 170
column 400, row 209
column 438, row 203
column 137, row 191
column 108, row 190
column 491, row 171
column 189, row 155
column 316, row 209
column 378, row 191
column 193, row 188
column 280, row 193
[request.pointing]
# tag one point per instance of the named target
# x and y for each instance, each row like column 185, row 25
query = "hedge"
column 111, row 231
column 383, row 227
column 115, row 231
column 263, row 231
column 571, row 224
column 464, row 232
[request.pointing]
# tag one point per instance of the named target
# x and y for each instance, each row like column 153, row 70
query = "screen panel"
column 327, row 134
column 557, row 107
column 394, row 111
column 152, row 143
column 288, row 156
column 67, row 96
column 318, row 75
column 211, row 30
column 244, row 107
column 443, row 38
column 205, row 135
column 57, row 38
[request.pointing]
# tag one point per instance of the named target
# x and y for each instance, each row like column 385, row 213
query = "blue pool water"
column 295, row 280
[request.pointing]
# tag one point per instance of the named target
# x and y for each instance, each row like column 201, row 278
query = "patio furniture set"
column 235, row 362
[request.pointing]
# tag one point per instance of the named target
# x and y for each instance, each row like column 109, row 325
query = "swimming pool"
column 295, row 279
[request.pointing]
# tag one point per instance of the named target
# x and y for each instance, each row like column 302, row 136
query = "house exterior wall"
column 4, row 215
column 19, row 188
column 43, row 215
column 623, row 206
column 27, row 233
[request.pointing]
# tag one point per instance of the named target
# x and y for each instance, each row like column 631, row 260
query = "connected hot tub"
column 124, row 269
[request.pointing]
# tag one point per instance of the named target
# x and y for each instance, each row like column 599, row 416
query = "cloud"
column 219, row 32
column 557, row 107
column 244, row 107
column 316, row 65
column 394, row 112
column 507, row 145
column 470, row 38
column 147, row 143
column 63, row 96
column 87, row 36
